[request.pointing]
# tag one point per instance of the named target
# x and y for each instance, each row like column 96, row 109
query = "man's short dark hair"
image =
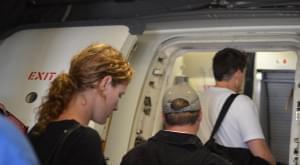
column 226, row 62
column 181, row 118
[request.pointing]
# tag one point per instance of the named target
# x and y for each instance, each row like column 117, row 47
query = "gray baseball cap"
column 181, row 91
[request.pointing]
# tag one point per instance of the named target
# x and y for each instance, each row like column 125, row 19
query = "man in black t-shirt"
column 177, row 144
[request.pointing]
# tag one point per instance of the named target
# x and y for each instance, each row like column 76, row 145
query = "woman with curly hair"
column 97, row 78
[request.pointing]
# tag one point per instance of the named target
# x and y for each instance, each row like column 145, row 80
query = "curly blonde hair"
column 89, row 66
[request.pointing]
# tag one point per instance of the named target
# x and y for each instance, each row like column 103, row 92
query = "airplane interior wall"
column 276, row 76
column 277, row 98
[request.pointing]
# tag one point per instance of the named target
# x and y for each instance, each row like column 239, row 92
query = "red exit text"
column 41, row 76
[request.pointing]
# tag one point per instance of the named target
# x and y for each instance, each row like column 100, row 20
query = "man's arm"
column 258, row 147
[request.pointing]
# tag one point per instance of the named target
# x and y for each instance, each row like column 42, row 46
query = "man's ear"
column 104, row 82
column 162, row 116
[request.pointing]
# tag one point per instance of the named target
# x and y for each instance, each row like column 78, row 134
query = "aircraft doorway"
column 272, row 83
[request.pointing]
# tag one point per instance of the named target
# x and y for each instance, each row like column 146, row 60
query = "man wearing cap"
column 177, row 144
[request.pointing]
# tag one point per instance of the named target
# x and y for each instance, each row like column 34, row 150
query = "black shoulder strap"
column 222, row 114
column 53, row 157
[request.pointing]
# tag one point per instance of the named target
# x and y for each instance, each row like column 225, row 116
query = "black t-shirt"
column 171, row 148
column 82, row 147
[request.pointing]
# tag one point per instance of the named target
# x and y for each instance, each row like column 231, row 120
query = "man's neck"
column 225, row 84
column 187, row 129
